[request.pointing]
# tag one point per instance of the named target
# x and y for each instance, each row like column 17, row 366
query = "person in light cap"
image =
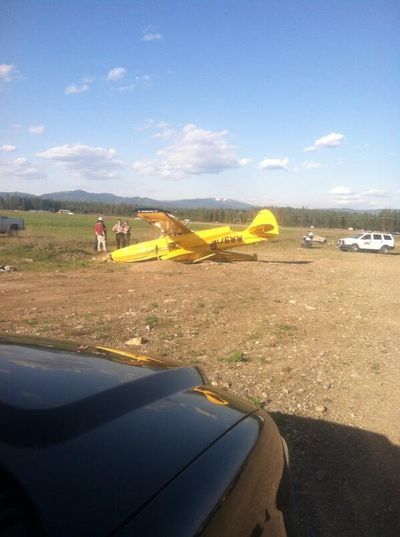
column 101, row 234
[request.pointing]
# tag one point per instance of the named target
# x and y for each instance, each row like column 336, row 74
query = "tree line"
column 383, row 220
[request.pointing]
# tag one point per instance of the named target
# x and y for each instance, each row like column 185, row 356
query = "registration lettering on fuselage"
column 230, row 239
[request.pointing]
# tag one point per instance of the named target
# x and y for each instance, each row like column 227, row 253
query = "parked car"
column 101, row 442
column 373, row 241
column 11, row 226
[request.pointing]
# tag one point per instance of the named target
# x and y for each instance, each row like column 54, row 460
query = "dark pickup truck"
column 11, row 226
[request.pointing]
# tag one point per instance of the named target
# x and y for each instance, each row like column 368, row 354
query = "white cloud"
column 7, row 148
column 145, row 167
column 8, row 72
column 244, row 161
column 334, row 139
column 355, row 199
column 340, row 190
column 163, row 130
column 85, row 161
column 148, row 124
column 163, row 134
column 36, row 129
column 274, row 164
column 375, row 193
column 195, row 151
column 126, row 89
column 143, row 79
column 73, row 89
column 345, row 196
column 20, row 168
column 116, row 73
column 310, row 165
column 140, row 80
column 151, row 36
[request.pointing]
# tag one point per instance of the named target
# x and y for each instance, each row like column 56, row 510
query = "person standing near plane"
column 118, row 229
column 127, row 232
column 101, row 234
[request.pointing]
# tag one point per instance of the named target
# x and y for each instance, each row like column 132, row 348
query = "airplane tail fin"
column 264, row 225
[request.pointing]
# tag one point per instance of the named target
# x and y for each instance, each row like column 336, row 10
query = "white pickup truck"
column 11, row 226
column 374, row 241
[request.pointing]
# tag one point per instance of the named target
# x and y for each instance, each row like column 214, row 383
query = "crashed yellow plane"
column 179, row 243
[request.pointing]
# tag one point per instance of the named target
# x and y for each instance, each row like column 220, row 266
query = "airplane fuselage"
column 179, row 243
column 215, row 239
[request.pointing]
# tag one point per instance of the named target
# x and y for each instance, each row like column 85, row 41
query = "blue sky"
column 269, row 102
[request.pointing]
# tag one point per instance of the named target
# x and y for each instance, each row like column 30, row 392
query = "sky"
column 271, row 102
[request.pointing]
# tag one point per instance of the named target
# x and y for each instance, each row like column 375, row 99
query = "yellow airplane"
column 179, row 243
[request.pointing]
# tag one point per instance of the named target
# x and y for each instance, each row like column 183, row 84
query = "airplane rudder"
column 264, row 218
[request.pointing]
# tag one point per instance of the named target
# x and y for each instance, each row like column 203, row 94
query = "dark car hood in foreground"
column 127, row 415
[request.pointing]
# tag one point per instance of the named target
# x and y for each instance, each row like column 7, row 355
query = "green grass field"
column 62, row 240
column 52, row 240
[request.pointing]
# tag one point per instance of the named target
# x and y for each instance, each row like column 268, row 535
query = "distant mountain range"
column 83, row 196
column 196, row 203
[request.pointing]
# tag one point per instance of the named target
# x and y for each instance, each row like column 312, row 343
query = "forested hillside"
column 384, row 220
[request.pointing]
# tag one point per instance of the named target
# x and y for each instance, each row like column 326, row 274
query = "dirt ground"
column 311, row 335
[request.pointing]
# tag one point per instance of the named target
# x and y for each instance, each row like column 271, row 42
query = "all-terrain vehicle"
column 307, row 240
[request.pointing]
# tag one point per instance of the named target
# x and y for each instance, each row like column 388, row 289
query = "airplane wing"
column 166, row 223
column 317, row 238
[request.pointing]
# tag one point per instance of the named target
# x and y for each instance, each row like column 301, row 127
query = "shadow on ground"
column 346, row 481
column 276, row 262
